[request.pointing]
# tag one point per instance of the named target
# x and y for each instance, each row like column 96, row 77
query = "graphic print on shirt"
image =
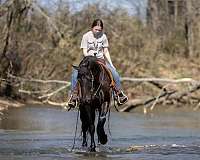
column 95, row 47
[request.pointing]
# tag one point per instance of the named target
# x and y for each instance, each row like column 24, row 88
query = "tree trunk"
column 189, row 29
column 9, row 59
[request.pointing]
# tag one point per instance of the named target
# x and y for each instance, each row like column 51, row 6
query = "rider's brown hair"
column 97, row 22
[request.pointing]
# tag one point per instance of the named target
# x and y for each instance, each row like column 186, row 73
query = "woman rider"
column 95, row 43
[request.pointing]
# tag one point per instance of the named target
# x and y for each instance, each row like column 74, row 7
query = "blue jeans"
column 115, row 75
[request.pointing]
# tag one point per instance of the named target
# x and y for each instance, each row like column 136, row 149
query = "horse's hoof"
column 92, row 149
column 84, row 144
column 103, row 139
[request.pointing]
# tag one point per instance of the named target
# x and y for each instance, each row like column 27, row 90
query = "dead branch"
column 39, row 80
column 133, row 104
column 167, row 96
column 42, row 94
column 165, row 80
column 62, row 104
column 32, row 92
column 53, row 93
column 163, row 96
column 197, row 107
column 51, row 23
column 180, row 95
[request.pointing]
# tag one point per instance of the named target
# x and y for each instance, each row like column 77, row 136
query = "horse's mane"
column 88, row 60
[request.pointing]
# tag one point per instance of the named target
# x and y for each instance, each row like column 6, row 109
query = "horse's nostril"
column 86, row 100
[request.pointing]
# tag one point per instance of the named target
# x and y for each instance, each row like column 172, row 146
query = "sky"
column 76, row 5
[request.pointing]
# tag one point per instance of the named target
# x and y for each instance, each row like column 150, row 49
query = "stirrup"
column 121, row 101
column 72, row 103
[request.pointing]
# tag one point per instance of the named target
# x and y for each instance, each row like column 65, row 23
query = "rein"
column 92, row 89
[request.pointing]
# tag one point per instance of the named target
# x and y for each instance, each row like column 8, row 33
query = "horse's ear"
column 75, row 67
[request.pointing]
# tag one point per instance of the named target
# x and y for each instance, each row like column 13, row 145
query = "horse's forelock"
column 89, row 62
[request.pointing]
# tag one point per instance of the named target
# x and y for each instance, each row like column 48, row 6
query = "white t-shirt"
column 94, row 45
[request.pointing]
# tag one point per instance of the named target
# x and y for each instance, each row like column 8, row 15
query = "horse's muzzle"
column 86, row 100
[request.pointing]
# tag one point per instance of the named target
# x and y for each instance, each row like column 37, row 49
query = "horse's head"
column 87, row 77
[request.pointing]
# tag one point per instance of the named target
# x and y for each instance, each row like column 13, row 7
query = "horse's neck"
column 103, row 75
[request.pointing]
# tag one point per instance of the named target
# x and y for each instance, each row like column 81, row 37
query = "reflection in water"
column 34, row 118
column 38, row 132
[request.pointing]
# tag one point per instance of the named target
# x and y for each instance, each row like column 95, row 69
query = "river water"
column 47, row 133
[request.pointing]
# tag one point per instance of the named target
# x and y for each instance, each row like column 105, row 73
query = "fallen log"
column 165, row 80
column 167, row 96
column 133, row 104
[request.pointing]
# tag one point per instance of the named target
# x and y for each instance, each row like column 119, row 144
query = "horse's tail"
column 102, row 137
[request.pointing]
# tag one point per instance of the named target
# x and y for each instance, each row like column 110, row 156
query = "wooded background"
column 38, row 43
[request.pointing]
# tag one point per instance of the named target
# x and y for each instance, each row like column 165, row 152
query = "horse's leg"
column 84, row 130
column 84, row 120
column 102, row 137
column 92, row 130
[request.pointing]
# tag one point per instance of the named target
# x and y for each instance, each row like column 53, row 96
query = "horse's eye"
column 87, row 77
column 84, row 76
column 81, row 76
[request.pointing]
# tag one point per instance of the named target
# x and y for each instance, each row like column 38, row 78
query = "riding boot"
column 73, row 100
column 121, row 98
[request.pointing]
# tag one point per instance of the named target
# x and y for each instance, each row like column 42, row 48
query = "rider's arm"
column 106, row 51
column 107, row 56
column 84, row 45
column 85, row 52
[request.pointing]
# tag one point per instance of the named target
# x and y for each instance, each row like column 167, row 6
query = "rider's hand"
column 113, row 67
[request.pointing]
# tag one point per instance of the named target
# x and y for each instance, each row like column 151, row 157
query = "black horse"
column 94, row 95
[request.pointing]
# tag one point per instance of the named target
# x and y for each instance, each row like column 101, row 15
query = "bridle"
column 93, row 92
